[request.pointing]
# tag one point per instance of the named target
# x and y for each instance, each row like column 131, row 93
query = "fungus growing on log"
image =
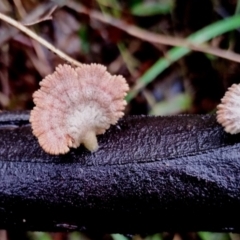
column 228, row 112
column 74, row 105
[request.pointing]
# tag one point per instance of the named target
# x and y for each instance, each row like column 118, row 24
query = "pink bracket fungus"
column 74, row 105
column 228, row 112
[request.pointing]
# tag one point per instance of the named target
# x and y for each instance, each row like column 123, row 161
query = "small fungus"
column 228, row 111
column 74, row 105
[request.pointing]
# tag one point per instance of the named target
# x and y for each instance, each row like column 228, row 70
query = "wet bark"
column 150, row 174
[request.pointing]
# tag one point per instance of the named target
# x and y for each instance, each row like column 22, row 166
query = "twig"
column 130, row 29
column 31, row 16
column 42, row 41
column 150, row 36
column 47, row 17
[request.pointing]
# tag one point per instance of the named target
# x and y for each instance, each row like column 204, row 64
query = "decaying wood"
column 183, row 171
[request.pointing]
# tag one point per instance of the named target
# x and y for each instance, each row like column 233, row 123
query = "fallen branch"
column 150, row 174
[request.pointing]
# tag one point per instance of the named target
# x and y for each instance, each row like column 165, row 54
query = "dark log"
column 150, row 174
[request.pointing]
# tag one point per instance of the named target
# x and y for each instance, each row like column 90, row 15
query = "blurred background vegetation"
column 164, row 79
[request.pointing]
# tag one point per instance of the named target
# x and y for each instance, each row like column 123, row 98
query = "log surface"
column 150, row 174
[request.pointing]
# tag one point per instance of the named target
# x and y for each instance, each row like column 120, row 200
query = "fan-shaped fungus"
column 74, row 105
column 228, row 112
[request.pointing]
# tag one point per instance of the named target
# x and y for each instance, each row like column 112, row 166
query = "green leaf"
column 213, row 236
column 177, row 104
column 83, row 34
column 39, row 235
column 174, row 54
column 118, row 237
column 152, row 8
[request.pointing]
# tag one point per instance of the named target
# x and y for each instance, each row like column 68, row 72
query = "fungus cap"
column 74, row 105
column 228, row 111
